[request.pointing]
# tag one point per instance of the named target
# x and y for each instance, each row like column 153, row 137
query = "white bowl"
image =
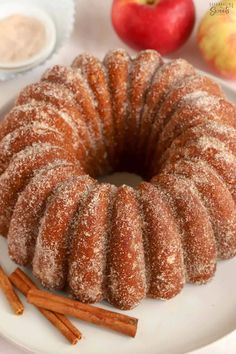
column 11, row 8
column 58, row 18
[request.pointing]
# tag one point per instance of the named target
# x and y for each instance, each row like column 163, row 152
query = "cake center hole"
column 120, row 178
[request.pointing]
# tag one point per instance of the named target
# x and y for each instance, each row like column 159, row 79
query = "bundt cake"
column 160, row 120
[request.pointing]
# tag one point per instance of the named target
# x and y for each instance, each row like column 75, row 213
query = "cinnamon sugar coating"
column 23, row 231
column 126, row 276
column 197, row 237
column 164, row 250
column 142, row 70
column 118, row 66
column 50, row 261
column 216, row 198
column 163, row 121
column 168, row 75
column 87, row 259
column 188, row 85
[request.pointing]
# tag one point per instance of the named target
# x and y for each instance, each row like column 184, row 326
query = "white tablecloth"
column 93, row 33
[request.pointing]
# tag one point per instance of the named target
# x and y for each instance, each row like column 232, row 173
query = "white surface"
column 187, row 327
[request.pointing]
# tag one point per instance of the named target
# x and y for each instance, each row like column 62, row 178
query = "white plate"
column 200, row 315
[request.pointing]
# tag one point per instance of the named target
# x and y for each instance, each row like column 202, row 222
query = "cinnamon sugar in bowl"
column 21, row 38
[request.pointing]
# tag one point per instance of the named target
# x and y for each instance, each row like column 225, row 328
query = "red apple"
column 163, row 25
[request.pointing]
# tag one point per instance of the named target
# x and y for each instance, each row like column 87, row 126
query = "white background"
column 93, row 32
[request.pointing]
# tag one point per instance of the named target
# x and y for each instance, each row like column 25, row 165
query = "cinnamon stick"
column 10, row 293
column 68, row 330
column 112, row 320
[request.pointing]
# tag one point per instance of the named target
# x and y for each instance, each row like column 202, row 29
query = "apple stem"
column 148, row 2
